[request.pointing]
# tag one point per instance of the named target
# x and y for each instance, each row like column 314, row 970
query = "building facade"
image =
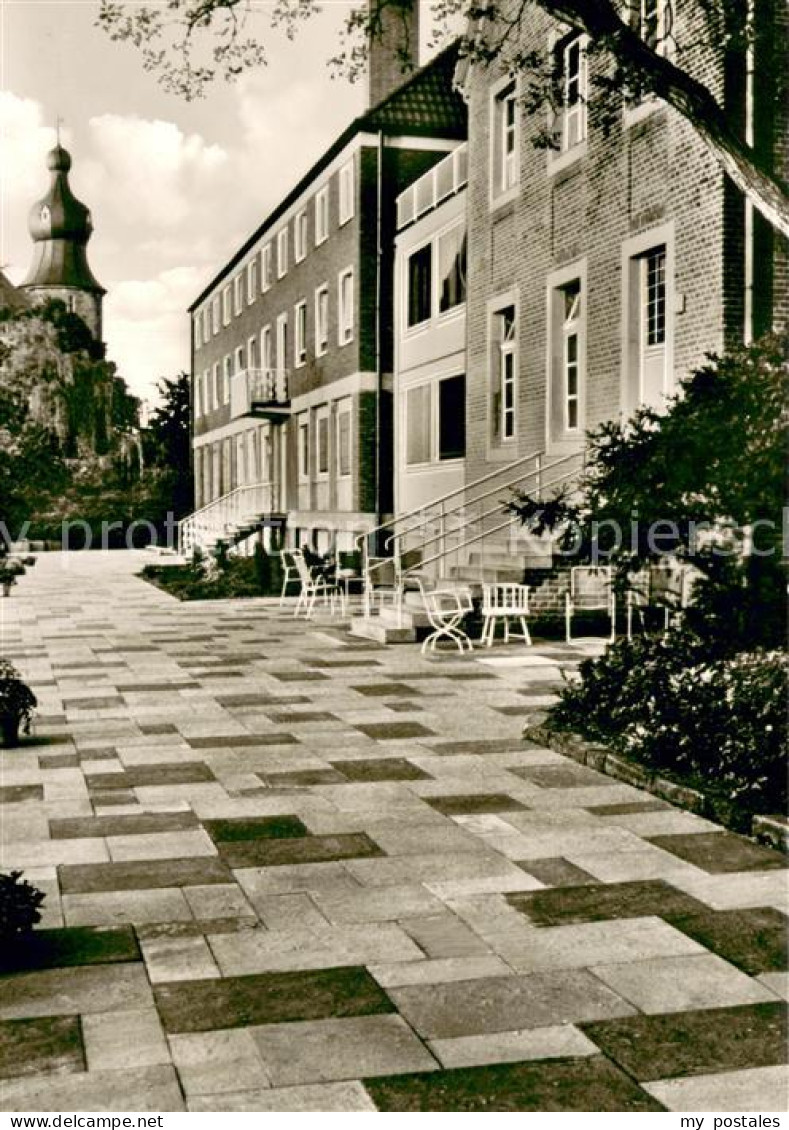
column 293, row 339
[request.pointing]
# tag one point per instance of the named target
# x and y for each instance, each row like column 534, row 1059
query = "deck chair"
column 591, row 590
column 314, row 585
column 504, row 602
column 446, row 609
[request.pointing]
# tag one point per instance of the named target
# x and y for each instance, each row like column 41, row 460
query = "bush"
column 19, row 903
column 219, row 577
column 675, row 705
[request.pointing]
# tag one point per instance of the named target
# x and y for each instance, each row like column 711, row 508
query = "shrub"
column 676, row 705
column 16, row 698
column 19, row 903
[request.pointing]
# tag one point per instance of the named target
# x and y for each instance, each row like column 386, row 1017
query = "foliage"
column 167, row 443
column 676, row 706
column 222, row 576
column 691, row 482
column 19, row 906
column 16, row 698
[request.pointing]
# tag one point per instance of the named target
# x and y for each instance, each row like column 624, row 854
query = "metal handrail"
column 221, row 509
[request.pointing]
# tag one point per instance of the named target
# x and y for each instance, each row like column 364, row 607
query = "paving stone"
column 293, row 718
column 394, row 731
column 444, row 935
column 302, row 778
column 306, row 946
column 255, row 828
column 557, row 872
column 629, row 809
column 141, row 875
column 582, row 1084
column 721, row 852
column 178, row 959
column 49, row 1045
column 380, row 769
column 111, row 908
column 467, row 803
column 511, row 1047
column 561, row 776
column 603, row 902
column 153, row 1089
column 241, row 741
column 755, row 940
column 759, row 1089
column 386, row 690
column 306, row 849
column 116, row 1041
column 500, row 1004
column 134, row 776
column 319, row 1097
column 383, row 905
column 695, row 1042
column 268, row 998
column 440, row 970
column 57, row 949
column 60, row 992
column 17, row 794
column 192, row 844
column 669, row 984
column 145, row 822
column 219, row 902
column 215, row 1063
column 328, row 1050
column 595, row 943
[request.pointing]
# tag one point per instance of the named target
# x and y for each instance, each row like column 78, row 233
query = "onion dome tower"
column 61, row 227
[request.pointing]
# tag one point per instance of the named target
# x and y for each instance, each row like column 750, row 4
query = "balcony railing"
column 260, row 392
column 440, row 182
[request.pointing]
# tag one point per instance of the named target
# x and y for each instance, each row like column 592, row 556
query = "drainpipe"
column 749, row 140
column 378, row 289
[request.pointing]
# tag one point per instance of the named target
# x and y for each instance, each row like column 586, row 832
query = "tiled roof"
column 426, row 103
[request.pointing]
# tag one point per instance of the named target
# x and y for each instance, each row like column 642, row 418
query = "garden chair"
column 290, row 574
column 665, row 585
column 591, row 590
column 314, row 585
column 446, row 609
column 504, row 602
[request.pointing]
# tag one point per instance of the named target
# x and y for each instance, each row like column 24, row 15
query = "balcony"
column 262, row 393
column 436, row 185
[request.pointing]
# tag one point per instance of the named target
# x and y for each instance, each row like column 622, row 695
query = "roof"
column 10, row 297
column 425, row 105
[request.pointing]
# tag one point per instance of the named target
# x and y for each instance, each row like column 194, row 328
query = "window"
column 198, row 394
column 252, row 353
column 656, row 18
column 300, row 236
column 654, row 296
column 420, row 285
column 574, row 93
column 238, row 294
column 282, row 342
column 321, row 320
column 505, row 375
column 345, row 326
column 452, row 418
column 282, row 253
column 647, row 373
column 215, row 315
column 505, row 141
column 418, row 425
column 347, row 191
column 344, row 418
column 227, row 373
column 197, row 330
column 206, row 325
column 217, row 389
column 252, row 280
column 452, row 269
column 570, row 296
column 322, row 216
column 226, row 299
column 323, row 442
column 304, row 448
column 265, row 268
column 300, row 334
column 265, row 348
column 239, row 359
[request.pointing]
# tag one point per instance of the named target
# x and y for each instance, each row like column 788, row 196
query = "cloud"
column 23, row 140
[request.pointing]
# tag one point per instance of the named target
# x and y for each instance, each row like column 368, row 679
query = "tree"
column 168, row 443
column 190, row 43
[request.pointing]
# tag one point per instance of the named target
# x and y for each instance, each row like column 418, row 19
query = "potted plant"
column 19, row 903
column 9, row 571
column 17, row 703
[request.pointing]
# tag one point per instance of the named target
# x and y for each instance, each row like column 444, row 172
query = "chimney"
column 394, row 45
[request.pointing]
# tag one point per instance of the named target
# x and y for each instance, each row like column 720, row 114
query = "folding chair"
column 290, row 574
column 591, row 590
column 504, row 602
column 446, row 609
column 314, row 585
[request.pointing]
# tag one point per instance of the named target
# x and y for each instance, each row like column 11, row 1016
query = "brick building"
column 293, row 340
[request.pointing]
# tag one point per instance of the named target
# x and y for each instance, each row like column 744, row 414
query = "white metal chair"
column 504, row 602
column 665, row 585
column 290, row 574
column 591, row 590
column 314, row 585
column 446, row 609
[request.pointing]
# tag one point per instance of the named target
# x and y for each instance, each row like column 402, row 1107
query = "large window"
column 420, row 285
column 505, row 169
column 418, row 425
column 282, row 253
column 300, row 334
column 321, row 320
column 569, row 297
column 265, row 268
column 435, row 421
column 252, row 280
column 452, row 269
column 346, row 304
column 574, row 92
column 304, row 448
column 452, row 418
column 300, row 236
column 505, row 374
column 322, row 454
column 344, row 418
column 648, row 366
column 322, row 215
column 347, row 190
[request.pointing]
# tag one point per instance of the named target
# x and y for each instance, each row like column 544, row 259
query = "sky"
column 174, row 187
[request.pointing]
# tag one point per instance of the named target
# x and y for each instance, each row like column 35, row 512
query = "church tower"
column 61, row 227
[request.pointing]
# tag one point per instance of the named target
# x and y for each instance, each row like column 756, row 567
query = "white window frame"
column 282, row 343
column 266, row 348
column 197, row 330
column 300, row 334
column 459, row 307
column 239, row 363
column 216, row 396
column 321, row 215
column 321, row 323
column 303, row 447
column 265, row 268
column 252, row 280
column 322, row 419
column 419, row 387
column 252, row 352
column 300, row 236
column 345, row 312
column 227, row 300
column 227, row 373
column 574, row 84
column 417, row 327
column 238, row 294
column 504, row 353
column 282, row 252
column 206, row 325
column 216, row 314
column 344, row 410
column 634, row 253
column 197, row 384
column 641, row 104
column 347, row 192
column 504, row 158
column 571, row 331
